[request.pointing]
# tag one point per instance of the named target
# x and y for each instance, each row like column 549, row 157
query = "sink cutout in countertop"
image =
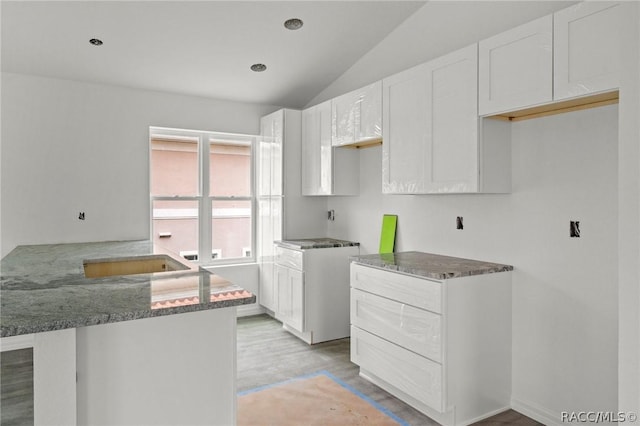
column 97, row 268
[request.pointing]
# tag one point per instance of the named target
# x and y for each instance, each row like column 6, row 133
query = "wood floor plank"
column 16, row 377
column 267, row 354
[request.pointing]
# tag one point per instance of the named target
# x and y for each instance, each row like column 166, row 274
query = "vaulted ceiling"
column 206, row 48
column 202, row 48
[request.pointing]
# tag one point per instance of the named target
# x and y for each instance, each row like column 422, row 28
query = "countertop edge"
column 488, row 268
column 10, row 331
column 317, row 243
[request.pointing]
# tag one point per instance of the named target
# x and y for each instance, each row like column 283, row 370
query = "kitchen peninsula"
column 92, row 363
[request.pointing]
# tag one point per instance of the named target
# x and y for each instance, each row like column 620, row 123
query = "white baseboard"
column 12, row 343
column 485, row 416
column 536, row 412
column 248, row 310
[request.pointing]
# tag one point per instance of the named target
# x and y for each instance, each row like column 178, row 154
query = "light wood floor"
column 267, row 354
column 16, row 390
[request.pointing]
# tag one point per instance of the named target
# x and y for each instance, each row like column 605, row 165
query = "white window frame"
column 203, row 197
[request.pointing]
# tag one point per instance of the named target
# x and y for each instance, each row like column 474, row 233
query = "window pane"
column 174, row 167
column 230, row 168
column 175, row 227
column 231, row 229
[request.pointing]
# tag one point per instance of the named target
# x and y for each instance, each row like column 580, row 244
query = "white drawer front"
column 414, row 375
column 418, row 292
column 289, row 258
column 415, row 329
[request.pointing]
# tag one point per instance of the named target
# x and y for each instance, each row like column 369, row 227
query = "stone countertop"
column 429, row 265
column 315, row 243
column 43, row 288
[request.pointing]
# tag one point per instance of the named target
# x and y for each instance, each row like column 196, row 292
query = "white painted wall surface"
column 629, row 218
column 167, row 370
column 564, row 289
column 246, row 276
column 70, row 146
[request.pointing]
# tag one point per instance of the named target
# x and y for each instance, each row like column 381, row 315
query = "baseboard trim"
column 485, row 416
column 249, row 310
column 536, row 412
column 13, row 343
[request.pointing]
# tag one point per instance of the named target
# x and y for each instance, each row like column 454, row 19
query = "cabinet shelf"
column 586, row 102
column 364, row 144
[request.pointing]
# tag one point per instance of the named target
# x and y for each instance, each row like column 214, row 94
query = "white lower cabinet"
column 312, row 292
column 443, row 347
column 412, row 328
column 410, row 373
column 290, row 285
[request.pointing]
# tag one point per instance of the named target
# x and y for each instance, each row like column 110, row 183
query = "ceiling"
column 201, row 48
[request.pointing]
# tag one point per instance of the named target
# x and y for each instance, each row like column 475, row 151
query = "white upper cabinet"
column 431, row 142
column 405, row 131
column 316, row 150
column 270, row 161
column 452, row 124
column 326, row 170
column 357, row 116
column 586, row 52
column 515, row 68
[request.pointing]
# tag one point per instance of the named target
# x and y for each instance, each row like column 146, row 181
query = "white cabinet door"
column 452, row 124
column 431, row 127
column 267, row 287
column 515, row 68
column 415, row 329
column 270, row 154
column 290, row 289
column 263, row 162
column 369, row 110
column 357, row 115
column 269, row 229
column 316, row 150
column 415, row 291
column 404, row 127
column 415, row 376
column 326, row 170
column 586, row 47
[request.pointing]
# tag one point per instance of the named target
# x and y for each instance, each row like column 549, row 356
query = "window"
column 202, row 194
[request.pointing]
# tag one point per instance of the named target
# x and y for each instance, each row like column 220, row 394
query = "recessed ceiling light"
column 293, row 24
column 96, row 42
column 258, row 67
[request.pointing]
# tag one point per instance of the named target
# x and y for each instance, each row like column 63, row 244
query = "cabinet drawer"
column 412, row 374
column 289, row 258
column 415, row 329
column 418, row 292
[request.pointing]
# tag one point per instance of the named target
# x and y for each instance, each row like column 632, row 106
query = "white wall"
column 629, row 218
column 70, row 146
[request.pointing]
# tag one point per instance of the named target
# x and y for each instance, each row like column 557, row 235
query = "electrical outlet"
column 459, row 224
column 574, row 229
column 331, row 215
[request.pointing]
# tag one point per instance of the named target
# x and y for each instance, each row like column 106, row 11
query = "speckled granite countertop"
column 429, row 265
column 43, row 288
column 315, row 243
